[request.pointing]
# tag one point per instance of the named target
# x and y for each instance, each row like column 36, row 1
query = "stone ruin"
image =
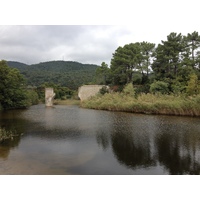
column 87, row 91
column 49, row 97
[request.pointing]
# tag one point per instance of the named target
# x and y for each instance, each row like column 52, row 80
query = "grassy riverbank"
column 146, row 103
column 67, row 102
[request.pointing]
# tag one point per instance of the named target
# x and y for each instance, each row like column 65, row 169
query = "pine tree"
column 192, row 46
column 168, row 57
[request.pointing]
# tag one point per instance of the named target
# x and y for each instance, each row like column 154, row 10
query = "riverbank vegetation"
column 146, row 103
column 13, row 91
column 144, row 78
column 5, row 135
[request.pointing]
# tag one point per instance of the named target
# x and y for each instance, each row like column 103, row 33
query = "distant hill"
column 66, row 73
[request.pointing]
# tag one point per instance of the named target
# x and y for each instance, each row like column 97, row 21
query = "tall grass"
column 146, row 103
column 4, row 134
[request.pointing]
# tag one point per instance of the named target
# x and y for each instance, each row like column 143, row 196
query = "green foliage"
column 132, row 57
column 146, row 103
column 192, row 43
column 193, row 87
column 139, row 89
column 159, row 87
column 60, row 91
column 174, row 83
column 178, row 56
column 177, row 87
column 104, row 90
column 129, row 90
column 4, row 134
column 12, row 92
column 64, row 73
column 103, row 76
column 33, row 97
column 137, row 78
column 168, row 57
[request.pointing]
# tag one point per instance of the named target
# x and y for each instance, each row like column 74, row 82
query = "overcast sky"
column 145, row 20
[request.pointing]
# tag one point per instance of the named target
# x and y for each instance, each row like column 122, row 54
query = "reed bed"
column 146, row 103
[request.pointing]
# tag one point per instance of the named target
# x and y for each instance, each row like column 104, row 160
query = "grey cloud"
column 86, row 44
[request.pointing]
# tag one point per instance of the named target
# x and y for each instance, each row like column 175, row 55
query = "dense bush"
column 193, row 87
column 32, row 97
column 12, row 90
column 104, row 90
column 159, row 87
column 129, row 90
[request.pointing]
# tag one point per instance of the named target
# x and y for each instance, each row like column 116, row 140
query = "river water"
column 73, row 140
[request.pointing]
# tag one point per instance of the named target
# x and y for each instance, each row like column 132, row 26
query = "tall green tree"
column 103, row 74
column 129, row 59
column 168, row 57
column 123, row 63
column 192, row 44
column 12, row 92
column 148, row 51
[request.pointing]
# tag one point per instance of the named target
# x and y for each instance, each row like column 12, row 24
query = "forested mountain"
column 65, row 73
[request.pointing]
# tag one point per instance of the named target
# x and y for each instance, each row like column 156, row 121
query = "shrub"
column 104, row 90
column 193, row 85
column 129, row 90
column 159, row 87
column 32, row 97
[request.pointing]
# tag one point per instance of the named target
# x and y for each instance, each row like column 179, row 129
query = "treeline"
column 162, row 79
column 13, row 90
column 173, row 66
column 23, row 85
column 63, row 73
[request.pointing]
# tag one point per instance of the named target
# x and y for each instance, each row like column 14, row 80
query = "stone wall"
column 87, row 91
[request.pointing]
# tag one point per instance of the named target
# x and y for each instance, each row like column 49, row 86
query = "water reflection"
column 10, row 122
column 140, row 141
column 103, row 139
column 7, row 145
column 130, row 144
column 178, row 147
column 80, row 141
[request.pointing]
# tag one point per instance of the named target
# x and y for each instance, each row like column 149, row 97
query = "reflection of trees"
column 4, row 152
column 130, row 148
column 178, row 151
column 7, row 145
column 169, row 142
column 10, row 121
column 103, row 139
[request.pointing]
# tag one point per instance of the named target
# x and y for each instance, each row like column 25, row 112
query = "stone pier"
column 49, row 97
